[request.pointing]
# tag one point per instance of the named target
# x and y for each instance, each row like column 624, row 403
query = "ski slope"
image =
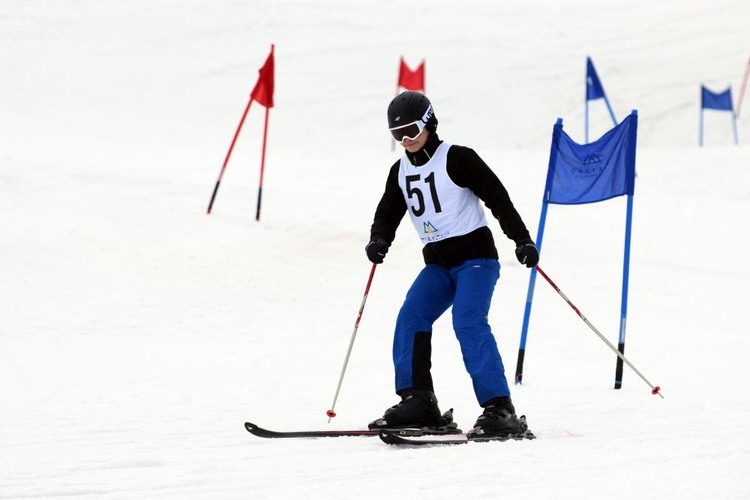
column 138, row 334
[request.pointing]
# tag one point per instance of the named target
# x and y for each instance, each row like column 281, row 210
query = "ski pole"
column 332, row 413
column 654, row 389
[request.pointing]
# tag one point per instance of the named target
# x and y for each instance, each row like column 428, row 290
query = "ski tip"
column 250, row 427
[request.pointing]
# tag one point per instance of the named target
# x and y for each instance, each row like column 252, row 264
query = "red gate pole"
column 229, row 153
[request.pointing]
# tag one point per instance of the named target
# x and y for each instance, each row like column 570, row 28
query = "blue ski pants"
column 467, row 287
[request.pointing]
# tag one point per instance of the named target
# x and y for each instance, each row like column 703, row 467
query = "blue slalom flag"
column 713, row 100
column 587, row 173
column 594, row 89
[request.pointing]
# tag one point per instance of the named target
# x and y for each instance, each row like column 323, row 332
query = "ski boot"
column 418, row 409
column 499, row 420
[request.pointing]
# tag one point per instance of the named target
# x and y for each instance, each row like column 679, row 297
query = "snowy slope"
column 137, row 333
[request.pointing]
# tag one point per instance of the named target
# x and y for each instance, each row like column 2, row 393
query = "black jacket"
column 466, row 169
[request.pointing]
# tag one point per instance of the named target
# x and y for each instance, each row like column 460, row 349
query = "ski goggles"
column 409, row 131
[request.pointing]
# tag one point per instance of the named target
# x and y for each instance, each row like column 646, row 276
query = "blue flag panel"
column 587, row 173
column 712, row 100
column 594, row 89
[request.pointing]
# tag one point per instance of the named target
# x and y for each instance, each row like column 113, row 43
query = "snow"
column 137, row 333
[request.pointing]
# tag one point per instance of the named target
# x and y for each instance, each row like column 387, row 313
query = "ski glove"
column 527, row 253
column 376, row 250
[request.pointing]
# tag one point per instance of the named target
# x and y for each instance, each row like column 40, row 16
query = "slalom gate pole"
column 556, row 132
column 654, row 389
column 625, row 281
column 611, row 113
column 229, row 153
column 332, row 413
column 262, row 166
column 743, row 87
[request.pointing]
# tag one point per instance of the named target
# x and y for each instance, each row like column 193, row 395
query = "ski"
column 448, row 426
column 415, row 437
column 396, row 437
column 269, row 434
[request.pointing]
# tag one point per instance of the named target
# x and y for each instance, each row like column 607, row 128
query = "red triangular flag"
column 411, row 80
column 263, row 91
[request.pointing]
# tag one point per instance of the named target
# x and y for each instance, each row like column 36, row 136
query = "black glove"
column 376, row 250
column 527, row 253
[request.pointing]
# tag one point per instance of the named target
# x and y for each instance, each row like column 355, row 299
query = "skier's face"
column 415, row 145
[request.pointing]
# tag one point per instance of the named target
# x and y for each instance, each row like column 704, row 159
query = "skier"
column 442, row 187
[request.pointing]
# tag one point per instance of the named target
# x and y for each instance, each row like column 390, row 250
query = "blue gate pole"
column 625, row 284
column 611, row 113
column 633, row 134
column 529, row 299
column 700, row 125
column 556, row 131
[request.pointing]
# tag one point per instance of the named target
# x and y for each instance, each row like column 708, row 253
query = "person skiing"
column 442, row 186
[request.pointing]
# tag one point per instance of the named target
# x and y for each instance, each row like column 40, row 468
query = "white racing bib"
column 438, row 208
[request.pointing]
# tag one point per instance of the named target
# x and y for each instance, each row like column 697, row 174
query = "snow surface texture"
column 137, row 333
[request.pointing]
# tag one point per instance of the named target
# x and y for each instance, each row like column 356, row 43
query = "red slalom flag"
column 411, row 80
column 263, row 94
column 263, row 91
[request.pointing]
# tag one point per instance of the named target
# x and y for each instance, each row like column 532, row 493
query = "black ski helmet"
column 409, row 107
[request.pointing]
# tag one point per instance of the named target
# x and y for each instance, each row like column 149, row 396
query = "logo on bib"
column 429, row 228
